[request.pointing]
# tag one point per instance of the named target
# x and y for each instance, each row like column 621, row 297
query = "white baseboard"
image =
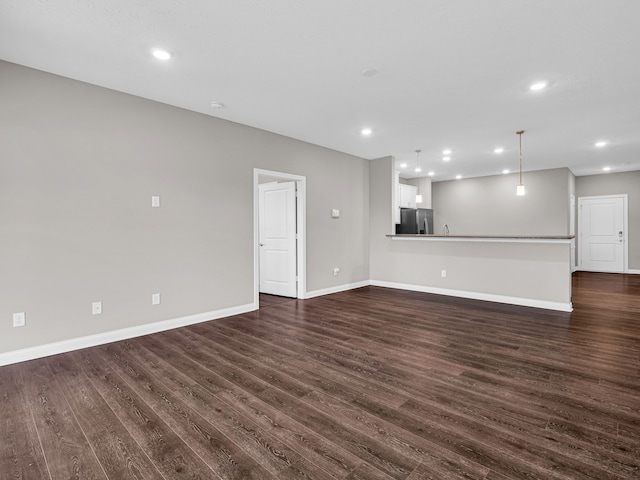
column 40, row 351
column 526, row 302
column 46, row 350
column 633, row 271
column 336, row 289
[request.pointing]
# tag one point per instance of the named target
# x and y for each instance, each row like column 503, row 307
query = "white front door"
column 277, row 234
column 602, row 234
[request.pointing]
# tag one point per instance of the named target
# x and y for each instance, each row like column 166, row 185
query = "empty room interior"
column 348, row 240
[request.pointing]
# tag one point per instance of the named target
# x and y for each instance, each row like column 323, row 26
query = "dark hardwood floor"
column 370, row 384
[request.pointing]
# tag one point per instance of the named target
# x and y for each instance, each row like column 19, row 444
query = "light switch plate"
column 19, row 319
column 155, row 201
column 155, row 299
column 335, row 213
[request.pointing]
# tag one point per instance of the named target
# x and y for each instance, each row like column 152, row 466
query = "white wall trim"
column 301, row 220
column 489, row 297
column 336, row 289
column 633, row 271
column 46, row 350
column 40, row 351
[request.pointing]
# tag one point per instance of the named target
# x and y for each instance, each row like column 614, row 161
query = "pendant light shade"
column 520, row 190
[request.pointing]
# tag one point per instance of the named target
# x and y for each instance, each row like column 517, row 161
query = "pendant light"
column 520, row 191
column 418, row 195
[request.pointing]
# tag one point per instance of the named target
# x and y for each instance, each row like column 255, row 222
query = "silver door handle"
column 262, row 244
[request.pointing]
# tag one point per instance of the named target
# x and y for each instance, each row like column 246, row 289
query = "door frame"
column 301, row 235
column 625, row 227
column 573, row 210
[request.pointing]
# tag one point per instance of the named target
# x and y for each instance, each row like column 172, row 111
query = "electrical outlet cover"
column 19, row 319
column 96, row 308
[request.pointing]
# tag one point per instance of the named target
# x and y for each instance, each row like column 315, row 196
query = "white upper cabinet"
column 407, row 196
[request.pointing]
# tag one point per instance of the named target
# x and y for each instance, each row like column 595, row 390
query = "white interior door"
column 602, row 235
column 277, row 234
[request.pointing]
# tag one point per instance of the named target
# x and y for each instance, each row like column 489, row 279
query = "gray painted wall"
column 381, row 219
column 613, row 184
column 78, row 167
column 489, row 205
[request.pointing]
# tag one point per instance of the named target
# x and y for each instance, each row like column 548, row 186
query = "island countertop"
column 484, row 238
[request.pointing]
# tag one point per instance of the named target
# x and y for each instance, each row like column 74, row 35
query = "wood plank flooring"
column 369, row 384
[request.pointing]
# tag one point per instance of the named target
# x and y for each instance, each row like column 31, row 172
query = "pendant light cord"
column 520, row 135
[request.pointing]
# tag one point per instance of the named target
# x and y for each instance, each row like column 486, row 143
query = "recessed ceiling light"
column 446, row 152
column 403, row 165
column 606, row 169
column 217, row 105
column 505, row 171
column 418, row 169
column 538, row 86
column 446, row 159
column 366, row 132
column 431, row 174
column 498, row 150
column 458, row 177
column 369, row 72
column 161, row 54
column 601, row 143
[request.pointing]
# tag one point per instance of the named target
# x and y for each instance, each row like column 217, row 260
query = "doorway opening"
column 602, row 233
column 279, row 261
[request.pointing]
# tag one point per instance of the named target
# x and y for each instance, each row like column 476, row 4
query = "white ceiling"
column 451, row 73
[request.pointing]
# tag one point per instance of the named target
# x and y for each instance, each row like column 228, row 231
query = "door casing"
column 301, row 265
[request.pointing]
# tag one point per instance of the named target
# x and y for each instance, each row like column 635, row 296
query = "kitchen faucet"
column 445, row 229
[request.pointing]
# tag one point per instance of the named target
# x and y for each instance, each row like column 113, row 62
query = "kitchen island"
column 529, row 270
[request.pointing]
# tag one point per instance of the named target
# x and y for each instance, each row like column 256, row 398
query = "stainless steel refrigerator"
column 415, row 220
